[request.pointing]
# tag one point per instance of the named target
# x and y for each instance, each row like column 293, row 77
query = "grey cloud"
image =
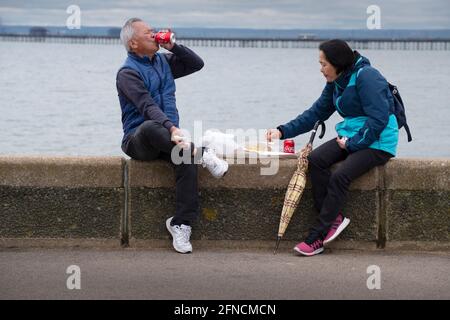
column 234, row 13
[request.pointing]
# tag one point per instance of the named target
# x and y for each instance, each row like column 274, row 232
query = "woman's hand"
column 273, row 134
column 341, row 142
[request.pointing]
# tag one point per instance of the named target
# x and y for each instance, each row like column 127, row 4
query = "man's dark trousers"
column 152, row 141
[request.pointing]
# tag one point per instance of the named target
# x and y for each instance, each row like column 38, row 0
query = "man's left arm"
column 183, row 61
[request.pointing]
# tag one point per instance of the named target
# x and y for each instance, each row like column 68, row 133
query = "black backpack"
column 399, row 110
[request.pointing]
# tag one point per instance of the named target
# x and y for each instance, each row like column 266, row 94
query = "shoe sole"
column 341, row 228
column 309, row 254
column 228, row 167
column 219, row 177
column 173, row 238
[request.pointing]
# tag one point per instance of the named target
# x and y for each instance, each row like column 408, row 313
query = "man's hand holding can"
column 165, row 38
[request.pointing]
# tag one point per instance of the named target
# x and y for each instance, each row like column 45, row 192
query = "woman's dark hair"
column 338, row 53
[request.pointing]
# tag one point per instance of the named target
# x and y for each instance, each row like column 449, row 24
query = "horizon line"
column 246, row 28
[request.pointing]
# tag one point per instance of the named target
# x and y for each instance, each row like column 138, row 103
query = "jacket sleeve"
column 130, row 84
column 373, row 92
column 322, row 109
column 183, row 61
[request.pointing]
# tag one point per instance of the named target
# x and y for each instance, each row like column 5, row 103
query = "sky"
column 258, row 14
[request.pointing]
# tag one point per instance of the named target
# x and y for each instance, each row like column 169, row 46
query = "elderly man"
column 146, row 88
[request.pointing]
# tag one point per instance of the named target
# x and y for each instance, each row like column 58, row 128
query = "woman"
column 367, row 137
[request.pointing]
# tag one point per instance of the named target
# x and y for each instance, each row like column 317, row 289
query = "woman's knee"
column 340, row 177
column 315, row 159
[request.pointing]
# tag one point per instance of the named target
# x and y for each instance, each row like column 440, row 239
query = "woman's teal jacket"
column 362, row 97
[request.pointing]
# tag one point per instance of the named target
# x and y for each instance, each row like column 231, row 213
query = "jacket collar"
column 144, row 59
column 343, row 79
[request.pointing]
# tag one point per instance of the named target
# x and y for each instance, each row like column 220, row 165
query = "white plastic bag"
column 222, row 143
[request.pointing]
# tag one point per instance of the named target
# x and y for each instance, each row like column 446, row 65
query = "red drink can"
column 165, row 37
column 289, row 146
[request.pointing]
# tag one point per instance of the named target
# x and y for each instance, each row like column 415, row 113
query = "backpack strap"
column 407, row 132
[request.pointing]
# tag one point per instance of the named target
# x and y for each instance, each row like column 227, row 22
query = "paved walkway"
column 222, row 274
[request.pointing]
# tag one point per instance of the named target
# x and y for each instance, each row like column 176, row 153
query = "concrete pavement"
column 222, row 274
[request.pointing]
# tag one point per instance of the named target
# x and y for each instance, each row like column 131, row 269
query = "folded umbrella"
column 297, row 184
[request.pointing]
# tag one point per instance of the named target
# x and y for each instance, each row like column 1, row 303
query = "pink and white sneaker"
column 310, row 249
column 337, row 227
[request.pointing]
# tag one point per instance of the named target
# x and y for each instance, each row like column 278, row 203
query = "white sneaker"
column 181, row 235
column 216, row 166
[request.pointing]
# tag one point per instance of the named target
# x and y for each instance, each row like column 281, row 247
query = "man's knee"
column 151, row 126
column 151, row 129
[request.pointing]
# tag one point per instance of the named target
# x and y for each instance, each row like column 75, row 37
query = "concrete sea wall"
column 112, row 201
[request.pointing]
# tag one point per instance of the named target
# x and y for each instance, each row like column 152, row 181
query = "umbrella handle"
column 313, row 134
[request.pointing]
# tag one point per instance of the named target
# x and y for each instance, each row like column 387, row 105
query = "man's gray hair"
column 127, row 32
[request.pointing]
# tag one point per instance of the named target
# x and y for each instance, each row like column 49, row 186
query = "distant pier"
column 375, row 44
